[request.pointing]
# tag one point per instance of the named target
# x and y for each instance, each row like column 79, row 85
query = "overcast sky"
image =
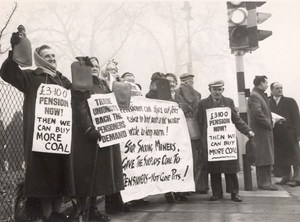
column 278, row 56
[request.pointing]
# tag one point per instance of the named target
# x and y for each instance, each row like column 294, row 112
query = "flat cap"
column 185, row 75
column 216, row 83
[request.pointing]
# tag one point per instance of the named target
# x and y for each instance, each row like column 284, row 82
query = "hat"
column 217, row 83
column 185, row 75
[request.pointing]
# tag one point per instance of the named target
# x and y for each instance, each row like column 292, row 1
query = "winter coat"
column 46, row 175
column 260, row 121
column 108, row 176
column 287, row 133
column 229, row 166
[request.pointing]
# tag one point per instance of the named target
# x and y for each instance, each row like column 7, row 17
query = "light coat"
column 260, row 121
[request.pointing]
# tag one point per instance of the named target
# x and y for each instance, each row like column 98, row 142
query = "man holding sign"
column 217, row 120
column 48, row 175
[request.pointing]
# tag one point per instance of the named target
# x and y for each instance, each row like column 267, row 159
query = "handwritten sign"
column 53, row 120
column 157, row 156
column 221, row 135
column 107, row 119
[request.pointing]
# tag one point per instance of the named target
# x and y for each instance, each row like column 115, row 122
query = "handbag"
column 250, row 151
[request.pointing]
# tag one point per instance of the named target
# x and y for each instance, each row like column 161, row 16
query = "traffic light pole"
column 243, row 114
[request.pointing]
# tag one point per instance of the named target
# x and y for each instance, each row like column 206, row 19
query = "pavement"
column 282, row 205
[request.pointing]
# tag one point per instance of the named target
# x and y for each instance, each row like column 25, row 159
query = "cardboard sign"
column 107, row 119
column 53, row 120
column 221, row 135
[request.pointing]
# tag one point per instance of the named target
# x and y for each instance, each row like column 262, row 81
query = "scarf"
column 43, row 64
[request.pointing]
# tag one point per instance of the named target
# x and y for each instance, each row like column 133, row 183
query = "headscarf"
column 43, row 64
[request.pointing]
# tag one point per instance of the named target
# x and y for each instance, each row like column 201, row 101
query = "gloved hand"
column 250, row 134
column 86, row 60
column 16, row 36
column 94, row 134
column 15, row 39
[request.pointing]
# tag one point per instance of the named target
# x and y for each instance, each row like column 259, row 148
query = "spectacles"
column 112, row 69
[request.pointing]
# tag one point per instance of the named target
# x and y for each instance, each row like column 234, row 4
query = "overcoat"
column 260, row 121
column 230, row 166
column 46, row 175
column 108, row 178
column 287, row 133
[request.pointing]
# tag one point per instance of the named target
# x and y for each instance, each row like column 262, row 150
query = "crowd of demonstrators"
column 90, row 171
column 229, row 167
column 286, row 135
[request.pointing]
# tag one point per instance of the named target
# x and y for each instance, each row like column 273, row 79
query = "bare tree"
column 9, row 17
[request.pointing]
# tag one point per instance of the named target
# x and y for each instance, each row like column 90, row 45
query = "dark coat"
column 46, row 175
column 286, row 134
column 260, row 121
column 230, row 166
column 108, row 174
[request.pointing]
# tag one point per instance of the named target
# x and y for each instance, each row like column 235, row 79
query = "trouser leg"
column 232, row 183
column 286, row 173
column 263, row 175
column 296, row 176
column 200, row 166
column 216, row 184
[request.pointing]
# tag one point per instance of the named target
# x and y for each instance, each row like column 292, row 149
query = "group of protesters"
column 90, row 172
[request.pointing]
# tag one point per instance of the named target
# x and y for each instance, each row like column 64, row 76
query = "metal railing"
column 11, row 146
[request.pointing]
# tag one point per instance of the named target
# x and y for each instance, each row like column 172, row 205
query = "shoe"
column 282, row 182
column 125, row 208
column 57, row 217
column 215, row 198
column 95, row 215
column 293, row 183
column 236, row 198
column 140, row 202
column 270, row 187
column 202, row 192
column 180, row 197
column 170, row 197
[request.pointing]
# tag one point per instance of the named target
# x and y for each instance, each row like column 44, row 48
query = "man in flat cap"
column 191, row 98
column 228, row 167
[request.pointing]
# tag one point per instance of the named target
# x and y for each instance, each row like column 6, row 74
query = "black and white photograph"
column 147, row 110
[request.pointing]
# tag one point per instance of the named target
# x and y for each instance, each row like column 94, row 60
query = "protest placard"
column 107, row 119
column 221, row 135
column 53, row 120
column 157, row 155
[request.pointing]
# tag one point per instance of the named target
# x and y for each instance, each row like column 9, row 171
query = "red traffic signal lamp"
column 243, row 32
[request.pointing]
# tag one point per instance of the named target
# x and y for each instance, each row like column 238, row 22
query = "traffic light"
column 242, row 25
column 237, row 25
column 254, row 34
